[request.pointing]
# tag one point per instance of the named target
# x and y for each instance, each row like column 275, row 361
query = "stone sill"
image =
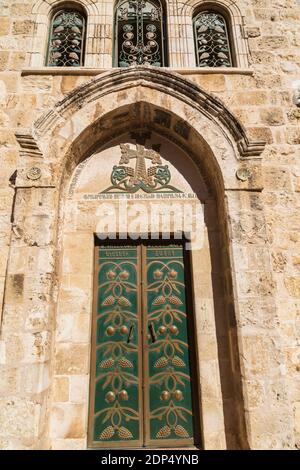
column 97, row 71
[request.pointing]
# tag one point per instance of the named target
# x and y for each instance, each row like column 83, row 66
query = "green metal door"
column 141, row 391
column 168, row 393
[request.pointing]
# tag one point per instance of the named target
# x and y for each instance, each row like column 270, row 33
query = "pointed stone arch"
column 177, row 104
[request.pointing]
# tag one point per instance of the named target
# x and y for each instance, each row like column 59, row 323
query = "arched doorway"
column 148, row 386
column 144, row 381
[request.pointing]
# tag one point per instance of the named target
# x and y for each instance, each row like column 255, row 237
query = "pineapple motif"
column 123, row 362
column 107, row 433
column 161, row 362
column 180, row 431
column 124, row 433
column 107, row 363
column 164, row 432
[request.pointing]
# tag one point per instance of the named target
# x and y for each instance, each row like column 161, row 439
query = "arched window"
column 139, row 33
column 66, row 40
column 212, row 40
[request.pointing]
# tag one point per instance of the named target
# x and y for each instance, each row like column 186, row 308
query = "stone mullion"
column 106, row 43
column 39, row 45
column 180, row 40
column 99, row 41
column 105, row 26
column 175, row 59
column 27, row 325
column 186, row 31
column 240, row 44
column 92, row 44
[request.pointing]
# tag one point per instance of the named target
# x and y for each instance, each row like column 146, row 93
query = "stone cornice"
column 91, row 71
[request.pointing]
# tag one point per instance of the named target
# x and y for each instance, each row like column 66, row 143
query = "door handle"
column 130, row 333
column 152, row 332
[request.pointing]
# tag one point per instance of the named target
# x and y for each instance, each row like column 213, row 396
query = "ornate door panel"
column 168, row 394
column 141, row 380
column 117, row 406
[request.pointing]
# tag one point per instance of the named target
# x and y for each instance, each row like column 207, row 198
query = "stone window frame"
column 62, row 8
column 236, row 30
column 99, row 18
column 164, row 33
column 99, row 35
column 227, row 20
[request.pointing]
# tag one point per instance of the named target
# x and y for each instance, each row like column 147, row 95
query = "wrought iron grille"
column 212, row 41
column 66, row 40
column 139, row 33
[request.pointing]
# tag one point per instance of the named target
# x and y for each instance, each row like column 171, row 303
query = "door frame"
column 192, row 339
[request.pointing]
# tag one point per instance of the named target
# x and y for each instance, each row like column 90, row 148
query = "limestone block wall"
column 264, row 224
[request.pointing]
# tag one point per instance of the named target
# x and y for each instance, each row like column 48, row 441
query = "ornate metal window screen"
column 66, row 41
column 139, row 33
column 212, row 40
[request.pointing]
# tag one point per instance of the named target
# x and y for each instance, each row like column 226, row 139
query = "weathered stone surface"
column 68, row 421
column 4, row 55
column 253, row 32
column 279, row 260
column 272, row 116
column 272, row 42
column 61, row 389
column 12, row 425
column 293, row 135
column 4, row 25
column 71, row 359
column 292, row 284
column 22, row 27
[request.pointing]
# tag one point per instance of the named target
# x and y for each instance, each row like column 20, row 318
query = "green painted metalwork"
column 170, row 396
column 142, row 384
column 116, row 410
column 154, row 179
column 66, row 39
column 212, row 40
column 139, row 33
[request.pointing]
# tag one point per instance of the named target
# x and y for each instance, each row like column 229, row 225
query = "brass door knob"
column 173, row 329
column 165, row 395
column 110, row 330
column 178, row 394
column 162, row 330
column 110, row 396
column 124, row 330
column 123, row 395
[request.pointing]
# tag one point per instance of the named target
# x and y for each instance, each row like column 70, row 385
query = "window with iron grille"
column 212, row 40
column 140, row 33
column 66, row 40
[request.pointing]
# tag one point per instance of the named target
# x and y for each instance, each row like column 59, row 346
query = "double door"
column 141, row 379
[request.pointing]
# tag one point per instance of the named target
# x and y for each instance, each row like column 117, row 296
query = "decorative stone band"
column 162, row 80
column 29, row 147
column 250, row 149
